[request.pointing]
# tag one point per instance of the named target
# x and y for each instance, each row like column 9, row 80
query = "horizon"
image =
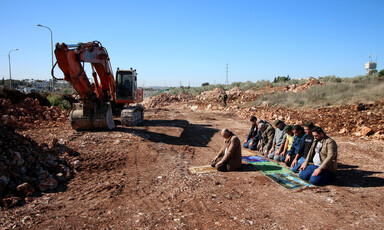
column 173, row 43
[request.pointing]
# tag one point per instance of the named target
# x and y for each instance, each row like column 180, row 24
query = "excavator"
column 107, row 97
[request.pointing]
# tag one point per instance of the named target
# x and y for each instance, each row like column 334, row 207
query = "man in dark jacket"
column 299, row 138
column 254, row 135
column 267, row 135
column 302, row 154
column 229, row 157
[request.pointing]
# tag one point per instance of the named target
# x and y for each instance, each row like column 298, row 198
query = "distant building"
column 370, row 67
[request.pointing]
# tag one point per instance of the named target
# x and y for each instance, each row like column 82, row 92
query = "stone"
column 11, row 201
column 25, row 189
column 48, row 184
column 343, row 130
column 60, row 177
column 366, row 131
column 194, row 107
column 360, row 107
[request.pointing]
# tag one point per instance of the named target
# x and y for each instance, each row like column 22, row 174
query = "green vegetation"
column 58, row 100
column 337, row 91
column 381, row 73
column 282, row 79
column 207, row 87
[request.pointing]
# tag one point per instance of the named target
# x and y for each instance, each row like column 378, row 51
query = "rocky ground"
column 136, row 177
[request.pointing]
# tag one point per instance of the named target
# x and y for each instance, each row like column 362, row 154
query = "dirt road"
column 136, row 178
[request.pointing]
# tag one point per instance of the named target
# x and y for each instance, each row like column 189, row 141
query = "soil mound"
column 160, row 100
column 23, row 111
column 213, row 96
column 14, row 95
column 27, row 168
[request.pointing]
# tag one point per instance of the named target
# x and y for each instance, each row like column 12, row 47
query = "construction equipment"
column 106, row 97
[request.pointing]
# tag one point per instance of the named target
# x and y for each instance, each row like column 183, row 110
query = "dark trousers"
column 323, row 178
column 220, row 167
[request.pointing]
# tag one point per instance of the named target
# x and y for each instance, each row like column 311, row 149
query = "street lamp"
column 51, row 49
column 10, row 75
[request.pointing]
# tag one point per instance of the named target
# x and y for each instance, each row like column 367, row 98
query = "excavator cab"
column 126, row 85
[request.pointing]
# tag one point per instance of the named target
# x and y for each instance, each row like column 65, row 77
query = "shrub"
column 58, row 100
column 381, row 73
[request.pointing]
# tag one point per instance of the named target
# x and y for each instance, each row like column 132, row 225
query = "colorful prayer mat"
column 247, row 152
column 288, row 180
column 201, row 169
column 251, row 159
column 276, row 172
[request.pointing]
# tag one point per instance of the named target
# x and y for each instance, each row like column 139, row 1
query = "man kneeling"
column 323, row 156
column 229, row 157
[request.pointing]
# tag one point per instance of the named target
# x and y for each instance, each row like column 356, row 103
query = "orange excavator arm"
column 70, row 59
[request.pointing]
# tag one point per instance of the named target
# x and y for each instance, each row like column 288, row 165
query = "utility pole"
column 10, row 75
column 226, row 76
column 53, row 79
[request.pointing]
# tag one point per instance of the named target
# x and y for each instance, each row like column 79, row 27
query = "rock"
column 11, row 201
column 48, row 184
column 26, row 220
column 76, row 164
column 25, row 189
column 343, row 130
column 194, row 107
column 366, row 131
column 357, row 134
column 60, row 177
column 118, row 142
column 360, row 107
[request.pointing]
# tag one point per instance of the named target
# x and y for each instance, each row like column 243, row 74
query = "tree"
column 381, row 73
column 205, row 84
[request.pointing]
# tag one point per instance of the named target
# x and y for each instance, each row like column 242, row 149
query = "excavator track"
column 132, row 115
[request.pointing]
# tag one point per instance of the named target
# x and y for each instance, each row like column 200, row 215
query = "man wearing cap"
column 321, row 163
column 254, row 135
column 267, row 135
column 229, row 157
column 304, row 148
column 278, row 140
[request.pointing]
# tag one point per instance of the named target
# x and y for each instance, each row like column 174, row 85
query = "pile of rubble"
column 213, row 96
column 159, row 100
column 238, row 96
column 303, row 87
column 28, row 168
column 24, row 111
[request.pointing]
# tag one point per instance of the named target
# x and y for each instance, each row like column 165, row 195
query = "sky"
column 190, row 42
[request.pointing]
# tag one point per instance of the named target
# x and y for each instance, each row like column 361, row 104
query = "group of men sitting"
column 306, row 150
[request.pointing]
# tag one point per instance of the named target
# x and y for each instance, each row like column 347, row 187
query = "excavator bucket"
column 100, row 117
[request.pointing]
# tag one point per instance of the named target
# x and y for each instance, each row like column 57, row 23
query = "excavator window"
column 124, row 85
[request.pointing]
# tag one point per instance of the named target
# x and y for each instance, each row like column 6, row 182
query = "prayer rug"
column 276, row 172
column 201, row 169
column 247, row 152
column 252, row 159
column 287, row 180
column 269, row 167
